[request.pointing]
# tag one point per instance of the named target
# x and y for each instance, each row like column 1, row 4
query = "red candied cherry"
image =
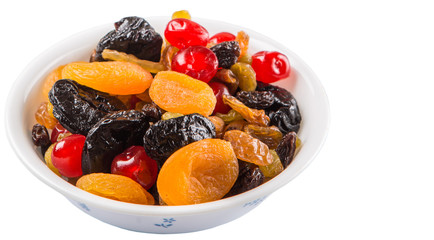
column 181, row 33
column 66, row 155
column 58, row 132
column 197, row 62
column 137, row 165
column 219, row 90
column 270, row 66
column 221, row 37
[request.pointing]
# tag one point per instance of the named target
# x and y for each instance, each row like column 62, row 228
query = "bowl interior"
column 25, row 97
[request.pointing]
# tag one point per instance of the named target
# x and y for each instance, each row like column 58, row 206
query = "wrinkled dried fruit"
column 282, row 97
column 149, row 66
column 44, row 117
column 243, row 40
column 165, row 137
column 152, row 111
column 167, row 56
column 219, row 125
column 132, row 35
column 249, row 177
column 49, row 81
column 47, row 159
column 169, row 115
column 286, row 148
column 40, row 137
column 256, row 99
column 200, row 172
column 287, row 119
column 252, row 116
column 248, row 148
column 236, row 125
column 110, row 137
column 116, row 187
column 117, row 78
column 78, row 107
column 245, row 75
column 268, row 135
column 231, row 116
column 274, row 168
column 227, row 77
column 227, row 53
column 177, row 92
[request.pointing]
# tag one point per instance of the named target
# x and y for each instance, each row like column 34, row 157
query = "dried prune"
column 110, row 137
column 133, row 35
column 78, row 107
column 227, row 53
column 286, row 148
column 256, row 99
column 40, row 137
column 287, row 119
column 249, row 177
column 165, row 137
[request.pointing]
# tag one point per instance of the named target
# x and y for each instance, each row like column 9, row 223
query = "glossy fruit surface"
column 219, row 89
column 197, row 62
column 181, row 33
column 58, row 132
column 220, row 37
column 137, row 165
column 177, row 92
column 270, row 66
column 66, row 155
column 200, row 172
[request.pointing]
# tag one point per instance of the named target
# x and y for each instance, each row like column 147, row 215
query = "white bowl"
column 25, row 96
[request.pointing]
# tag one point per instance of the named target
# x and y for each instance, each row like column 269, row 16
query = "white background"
column 374, row 178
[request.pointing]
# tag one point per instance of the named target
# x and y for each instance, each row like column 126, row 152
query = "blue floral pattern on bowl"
column 167, row 222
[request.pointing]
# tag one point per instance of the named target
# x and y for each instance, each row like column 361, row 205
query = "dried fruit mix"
column 171, row 119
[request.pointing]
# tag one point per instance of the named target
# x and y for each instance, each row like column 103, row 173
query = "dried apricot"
column 200, row 172
column 55, row 75
column 116, row 187
column 248, row 148
column 177, row 92
column 118, row 78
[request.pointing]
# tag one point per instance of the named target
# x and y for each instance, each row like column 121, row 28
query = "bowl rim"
column 39, row 169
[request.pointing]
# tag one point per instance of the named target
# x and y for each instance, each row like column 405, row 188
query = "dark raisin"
column 256, row 99
column 249, row 177
column 78, row 108
column 286, row 148
column 166, row 136
column 41, row 137
column 282, row 97
column 227, row 53
column 133, row 35
column 111, row 136
column 287, row 119
column 152, row 111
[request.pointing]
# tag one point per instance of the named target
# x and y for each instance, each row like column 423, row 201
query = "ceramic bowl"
column 25, row 97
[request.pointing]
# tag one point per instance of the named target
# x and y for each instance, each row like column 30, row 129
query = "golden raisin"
column 44, row 117
column 273, row 169
column 177, row 92
column 114, row 55
column 268, row 135
column 47, row 159
column 248, row 148
column 200, row 172
column 219, row 125
column 253, row 116
column 118, row 78
column 116, row 187
column 181, row 14
column 243, row 40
